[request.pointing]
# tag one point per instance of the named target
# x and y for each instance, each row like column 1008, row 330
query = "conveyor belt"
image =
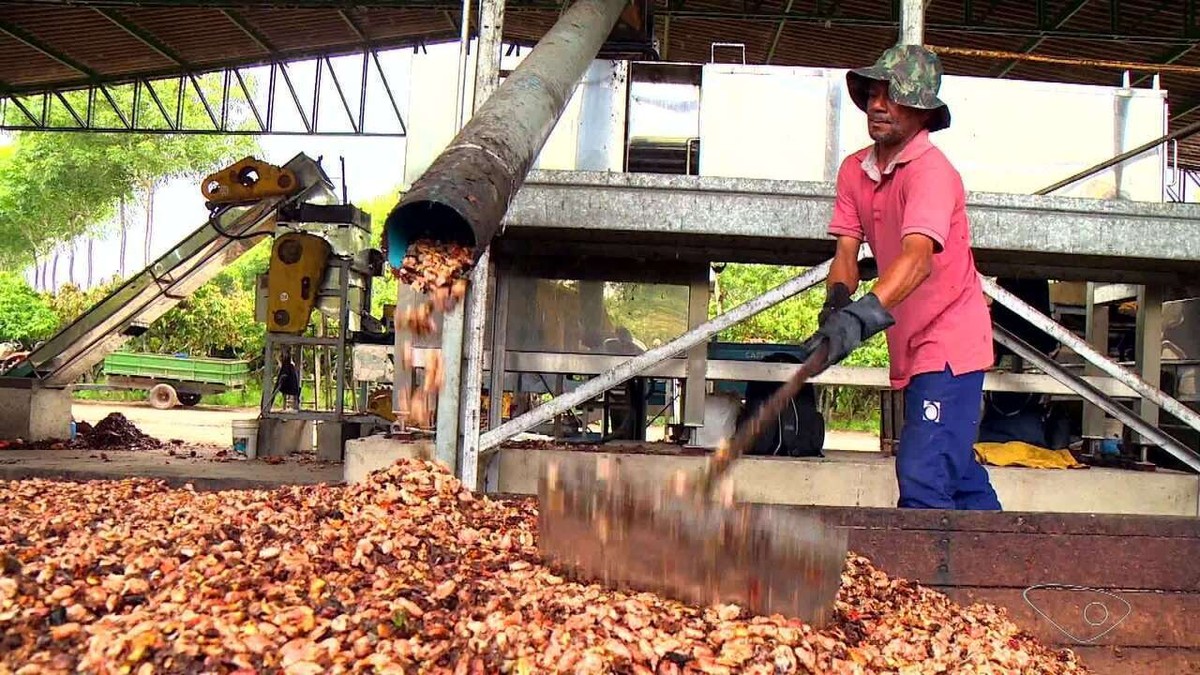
column 132, row 307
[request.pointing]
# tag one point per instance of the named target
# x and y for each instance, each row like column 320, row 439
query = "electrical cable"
column 214, row 219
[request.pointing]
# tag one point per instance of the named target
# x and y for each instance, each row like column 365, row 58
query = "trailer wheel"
column 163, row 397
column 189, row 399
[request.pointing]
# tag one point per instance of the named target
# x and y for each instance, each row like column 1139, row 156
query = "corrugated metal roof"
column 207, row 34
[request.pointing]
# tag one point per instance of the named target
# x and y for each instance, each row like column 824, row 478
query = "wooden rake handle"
column 729, row 451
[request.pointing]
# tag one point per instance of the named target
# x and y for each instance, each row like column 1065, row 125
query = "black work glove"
column 838, row 297
column 847, row 328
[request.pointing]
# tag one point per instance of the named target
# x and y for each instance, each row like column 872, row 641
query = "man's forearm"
column 844, row 269
column 909, row 271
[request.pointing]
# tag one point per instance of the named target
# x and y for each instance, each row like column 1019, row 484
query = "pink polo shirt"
column 945, row 321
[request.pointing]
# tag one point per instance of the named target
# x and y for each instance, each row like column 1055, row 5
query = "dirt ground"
column 209, row 426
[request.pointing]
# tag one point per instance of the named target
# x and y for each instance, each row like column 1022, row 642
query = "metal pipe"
column 912, row 22
column 1182, row 132
column 1082, row 348
column 487, row 78
column 1098, row 398
column 640, row 363
column 463, row 195
column 472, row 377
column 460, row 91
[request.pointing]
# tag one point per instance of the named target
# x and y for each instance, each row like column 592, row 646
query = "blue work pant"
column 936, row 466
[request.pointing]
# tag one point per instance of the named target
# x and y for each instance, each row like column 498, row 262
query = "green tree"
column 210, row 322
column 25, row 316
column 383, row 290
column 790, row 322
column 58, row 186
column 69, row 302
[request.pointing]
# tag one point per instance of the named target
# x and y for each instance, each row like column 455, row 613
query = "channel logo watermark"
column 1081, row 613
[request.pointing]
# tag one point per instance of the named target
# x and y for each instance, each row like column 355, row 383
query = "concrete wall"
column 34, row 414
column 845, row 479
column 374, row 453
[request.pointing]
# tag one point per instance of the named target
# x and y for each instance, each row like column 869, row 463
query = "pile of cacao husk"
column 431, row 265
column 114, row 432
column 408, row 572
column 438, row 270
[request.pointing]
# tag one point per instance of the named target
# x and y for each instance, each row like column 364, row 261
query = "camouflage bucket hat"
column 914, row 76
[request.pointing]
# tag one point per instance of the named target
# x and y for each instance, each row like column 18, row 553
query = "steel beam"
column 141, row 35
column 1170, row 56
column 32, row 42
column 555, row 363
column 358, row 31
column 1065, row 16
column 640, row 363
column 189, row 86
column 912, row 22
column 753, row 220
column 251, row 32
column 774, row 39
column 1083, row 349
column 486, row 82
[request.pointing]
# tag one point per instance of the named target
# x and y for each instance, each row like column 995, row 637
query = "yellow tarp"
column 1016, row 453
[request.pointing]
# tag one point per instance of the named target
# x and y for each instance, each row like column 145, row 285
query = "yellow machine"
column 294, row 278
column 380, row 403
column 248, row 180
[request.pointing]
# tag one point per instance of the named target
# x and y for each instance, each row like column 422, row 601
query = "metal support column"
column 449, row 412
column 912, row 22
column 490, row 473
column 695, row 386
column 1149, row 337
column 472, row 381
column 448, row 415
column 640, row 363
column 1097, row 337
column 339, row 406
column 487, row 79
column 499, row 350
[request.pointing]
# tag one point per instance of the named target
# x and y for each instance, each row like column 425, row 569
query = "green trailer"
column 172, row 380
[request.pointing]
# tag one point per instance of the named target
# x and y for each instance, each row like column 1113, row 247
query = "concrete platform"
column 204, row 472
column 34, row 413
column 847, row 479
column 558, row 213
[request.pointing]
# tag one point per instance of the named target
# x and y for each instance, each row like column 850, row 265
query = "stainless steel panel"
column 788, row 123
column 592, row 316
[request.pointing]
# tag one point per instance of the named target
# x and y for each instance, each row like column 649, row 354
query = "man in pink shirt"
column 902, row 196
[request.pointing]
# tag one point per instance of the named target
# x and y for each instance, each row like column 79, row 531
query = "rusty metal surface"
column 623, row 531
column 464, row 194
column 1021, row 560
column 1015, row 522
column 1139, row 661
column 1152, row 619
